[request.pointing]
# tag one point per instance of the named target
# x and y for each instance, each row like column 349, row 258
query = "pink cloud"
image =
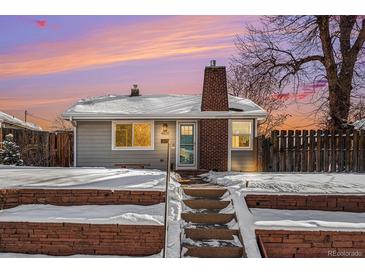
column 41, row 23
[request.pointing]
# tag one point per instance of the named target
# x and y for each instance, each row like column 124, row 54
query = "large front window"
column 241, row 135
column 133, row 135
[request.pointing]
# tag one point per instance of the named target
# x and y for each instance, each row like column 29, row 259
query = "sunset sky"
column 49, row 62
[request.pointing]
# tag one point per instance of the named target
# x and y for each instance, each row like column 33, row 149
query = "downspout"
column 74, row 124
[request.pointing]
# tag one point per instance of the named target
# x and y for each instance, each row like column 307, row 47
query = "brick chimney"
column 135, row 90
column 215, row 94
column 213, row 133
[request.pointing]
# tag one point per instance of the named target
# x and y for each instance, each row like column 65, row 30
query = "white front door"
column 186, row 145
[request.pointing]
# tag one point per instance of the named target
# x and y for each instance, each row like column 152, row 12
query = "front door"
column 186, row 154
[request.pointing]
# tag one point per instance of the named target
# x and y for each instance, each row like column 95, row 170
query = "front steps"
column 210, row 229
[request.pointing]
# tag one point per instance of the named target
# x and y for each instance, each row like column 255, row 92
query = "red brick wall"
column 350, row 203
column 213, row 143
column 311, row 244
column 215, row 94
column 62, row 239
column 65, row 197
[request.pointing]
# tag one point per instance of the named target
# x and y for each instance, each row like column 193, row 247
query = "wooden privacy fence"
column 42, row 148
column 313, row 151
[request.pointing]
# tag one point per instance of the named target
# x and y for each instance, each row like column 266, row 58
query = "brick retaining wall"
column 350, row 203
column 311, row 244
column 67, row 197
column 62, row 239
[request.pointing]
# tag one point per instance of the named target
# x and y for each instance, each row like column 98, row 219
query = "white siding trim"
column 75, row 143
column 229, row 167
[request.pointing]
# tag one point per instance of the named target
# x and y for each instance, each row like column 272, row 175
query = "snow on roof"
column 158, row 106
column 6, row 118
column 360, row 124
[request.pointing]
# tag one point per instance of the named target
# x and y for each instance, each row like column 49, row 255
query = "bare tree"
column 264, row 92
column 294, row 50
column 61, row 124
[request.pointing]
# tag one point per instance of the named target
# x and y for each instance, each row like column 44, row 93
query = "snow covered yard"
column 81, row 178
column 309, row 183
column 95, row 178
column 249, row 219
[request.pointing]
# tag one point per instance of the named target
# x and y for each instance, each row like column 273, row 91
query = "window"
column 133, row 135
column 241, row 135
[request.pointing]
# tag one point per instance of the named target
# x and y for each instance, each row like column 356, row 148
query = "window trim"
column 123, row 122
column 250, row 148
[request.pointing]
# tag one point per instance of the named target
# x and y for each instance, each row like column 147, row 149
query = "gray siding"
column 94, row 146
column 245, row 160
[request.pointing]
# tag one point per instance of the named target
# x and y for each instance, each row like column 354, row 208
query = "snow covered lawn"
column 240, row 184
column 81, row 178
column 89, row 214
column 307, row 220
column 323, row 183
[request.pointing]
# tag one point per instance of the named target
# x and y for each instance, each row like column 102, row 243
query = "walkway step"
column 207, row 218
column 213, row 248
column 213, row 192
column 210, row 233
column 206, row 203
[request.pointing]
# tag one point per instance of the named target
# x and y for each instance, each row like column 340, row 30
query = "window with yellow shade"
column 133, row 135
column 241, row 135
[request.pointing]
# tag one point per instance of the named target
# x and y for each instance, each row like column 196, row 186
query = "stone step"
column 205, row 192
column 210, row 233
column 206, row 203
column 207, row 218
column 214, row 252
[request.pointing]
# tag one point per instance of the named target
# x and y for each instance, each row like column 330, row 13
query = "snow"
column 295, row 183
column 6, row 118
column 308, row 220
column 81, row 178
column 96, row 178
column 88, row 214
column 157, row 106
column 240, row 184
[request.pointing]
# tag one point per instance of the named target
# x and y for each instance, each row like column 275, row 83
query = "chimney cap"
column 213, row 63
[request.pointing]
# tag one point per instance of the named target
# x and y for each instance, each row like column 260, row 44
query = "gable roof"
column 9, row 119
column 158, row 107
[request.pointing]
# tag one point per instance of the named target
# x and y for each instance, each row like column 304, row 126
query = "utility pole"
column 25, row 115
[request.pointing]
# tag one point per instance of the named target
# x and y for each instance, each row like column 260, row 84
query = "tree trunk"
column 339, row 104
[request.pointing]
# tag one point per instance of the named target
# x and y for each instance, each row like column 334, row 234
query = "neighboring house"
column 9, row 121
column 213, row 131
column 360, row 124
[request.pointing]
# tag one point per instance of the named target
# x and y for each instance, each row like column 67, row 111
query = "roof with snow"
column 158, row 106
column 9, row 119
column 360, row 124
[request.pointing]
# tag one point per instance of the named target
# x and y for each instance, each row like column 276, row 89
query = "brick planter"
column 68, row 197
column 311, row 244
column 62, row 239
column 350, row 203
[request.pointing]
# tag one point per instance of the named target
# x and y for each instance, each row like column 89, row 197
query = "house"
column 9, row 121
column 359, row 124
column 213, row 131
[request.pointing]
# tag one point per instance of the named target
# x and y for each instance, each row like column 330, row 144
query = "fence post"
column 311, row 151
column 290, row 159
column 355, row 151
column 274, row 150
column 282, row 151
column 318, row 151
column 326, row 141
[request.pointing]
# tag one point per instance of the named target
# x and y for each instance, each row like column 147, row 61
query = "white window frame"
column 251, row 135
column 124, row 122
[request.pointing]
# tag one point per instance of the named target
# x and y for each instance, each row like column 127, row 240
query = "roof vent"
column 213, row 63
column 135, row 90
